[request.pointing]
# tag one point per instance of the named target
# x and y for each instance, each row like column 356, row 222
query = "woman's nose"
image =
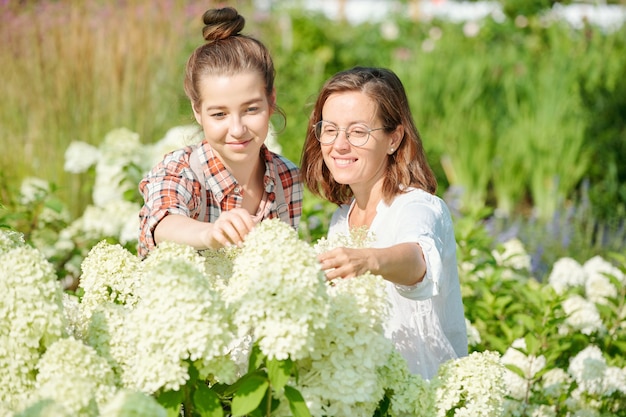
column 236, row 128
column 341, row 141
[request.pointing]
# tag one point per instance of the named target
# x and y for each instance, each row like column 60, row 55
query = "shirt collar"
column 221, row 182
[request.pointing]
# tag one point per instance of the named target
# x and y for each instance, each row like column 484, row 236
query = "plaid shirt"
column 171, row 187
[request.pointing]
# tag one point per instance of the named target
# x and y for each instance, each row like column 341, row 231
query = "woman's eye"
column 252, row 109
column 218, row 115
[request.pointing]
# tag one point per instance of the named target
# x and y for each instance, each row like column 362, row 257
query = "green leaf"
column 171, row 400
column 527, row 321
column 249, row 395
column 256, row 358
column 207, row 403
column 297, row 405
column 532, row 344
column 279, row 372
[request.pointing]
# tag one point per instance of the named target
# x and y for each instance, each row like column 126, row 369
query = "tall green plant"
column 73, row 71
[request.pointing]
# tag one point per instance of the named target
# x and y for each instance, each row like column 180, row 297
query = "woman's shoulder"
column 174, row 161
column 420, row 199
column 412, row 194
column 282, row 163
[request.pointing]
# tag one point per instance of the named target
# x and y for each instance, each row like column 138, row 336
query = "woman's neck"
column 364, row 208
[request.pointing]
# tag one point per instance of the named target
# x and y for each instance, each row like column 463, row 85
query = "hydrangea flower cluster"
column 412, row 396
column 342, row 372
column 586, row 287
column 69, row 366
column 126, row 403
column 120, row 149
column 592, row 277
column 31, row 308
column 527, row 367
column 472, row 386
column 193, row 324
column 277, row 291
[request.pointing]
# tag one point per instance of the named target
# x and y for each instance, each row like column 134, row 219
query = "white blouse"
column 427, row 323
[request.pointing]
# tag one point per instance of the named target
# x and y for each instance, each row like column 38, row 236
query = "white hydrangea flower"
column 103, row 329
column 614, row 381
column 120, row 149
column 471, row 386
column 277, row 291
column 109, row 280
column 598, row 265
column 271, row 140
column 51, row 216
column 175, row 138
column 412, row 395
column 566, row 273
column 517, row 386
column 122, row 222
column 10, row 240
column 42, row 408
column 219, row 265
column 582, row 315
column 127, row 403
column 73, row 314
column 80, row 156
column 556, row 382
column 513, row 255
column 529, row 365
column 542, row 410
column 588, row 368
column 32, row 317
column 73, row 375
column 359, row 237
column 109, row 275
column 193, row 325
column 598, row 286
column 473, row 336
column 335, row 380
column 33, row 189
column 170, row 251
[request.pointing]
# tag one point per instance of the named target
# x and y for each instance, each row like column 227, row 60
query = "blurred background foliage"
column 523, row 117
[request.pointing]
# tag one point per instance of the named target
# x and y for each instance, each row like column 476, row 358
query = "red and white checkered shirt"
column 171, row 187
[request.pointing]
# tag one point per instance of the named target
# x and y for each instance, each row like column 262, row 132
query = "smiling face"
column 362, row 168
column 234, row 113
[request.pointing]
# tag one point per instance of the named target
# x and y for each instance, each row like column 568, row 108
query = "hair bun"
column 222, row 23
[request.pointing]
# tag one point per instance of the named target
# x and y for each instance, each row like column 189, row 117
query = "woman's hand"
column 402, row 264
column 230, row 228
column 346, row 263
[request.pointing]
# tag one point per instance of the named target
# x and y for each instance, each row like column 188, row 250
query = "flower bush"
column 562, row 339
column 267, row 335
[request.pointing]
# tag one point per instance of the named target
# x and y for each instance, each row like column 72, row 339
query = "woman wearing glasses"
column 364, row 153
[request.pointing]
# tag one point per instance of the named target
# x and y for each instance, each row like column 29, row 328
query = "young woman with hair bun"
column 212, row 194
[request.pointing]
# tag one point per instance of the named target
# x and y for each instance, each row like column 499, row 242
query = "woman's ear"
column 196, row 114
column 395, row 138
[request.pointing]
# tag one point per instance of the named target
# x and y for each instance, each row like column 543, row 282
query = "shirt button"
column 237, row 190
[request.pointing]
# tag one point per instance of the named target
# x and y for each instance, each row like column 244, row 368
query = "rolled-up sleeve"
column 169, row 188
column 422, row 222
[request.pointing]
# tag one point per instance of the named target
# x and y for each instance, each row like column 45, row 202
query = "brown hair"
column 407, row 167
column 225, row 52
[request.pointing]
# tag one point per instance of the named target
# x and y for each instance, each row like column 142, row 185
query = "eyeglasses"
column 357, row 134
